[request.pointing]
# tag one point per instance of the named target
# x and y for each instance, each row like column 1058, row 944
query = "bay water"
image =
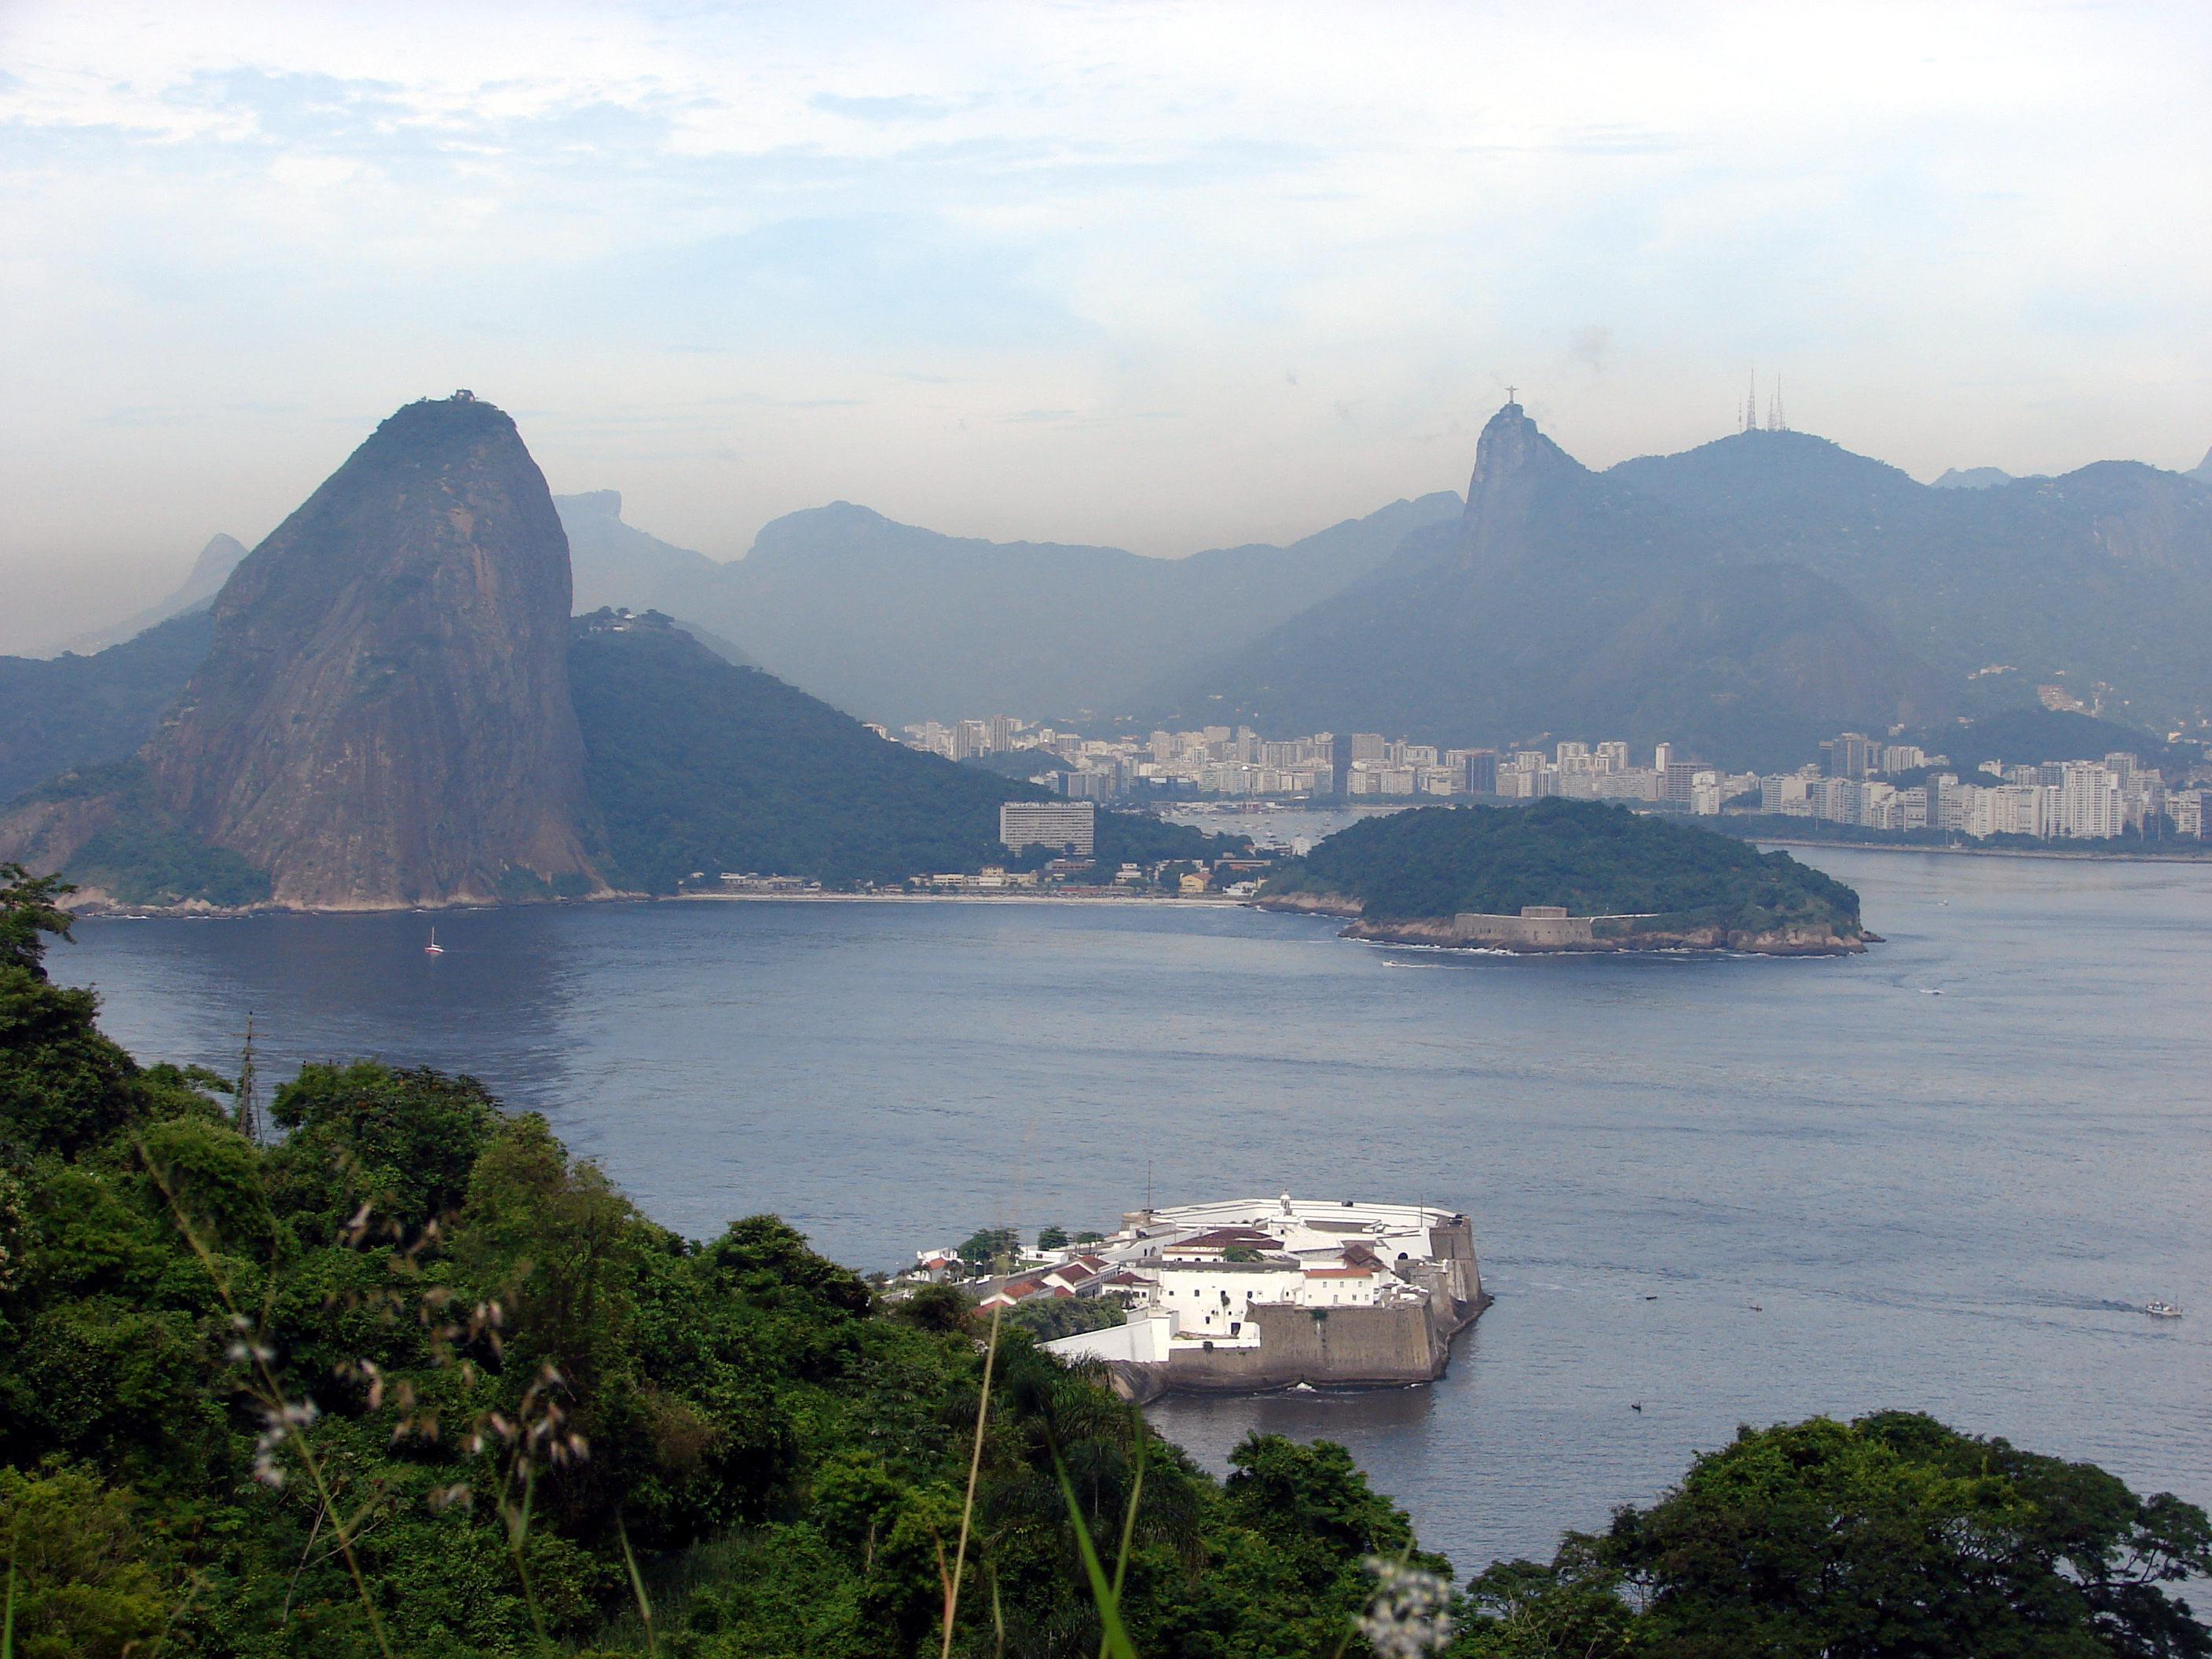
column 1946, row 1175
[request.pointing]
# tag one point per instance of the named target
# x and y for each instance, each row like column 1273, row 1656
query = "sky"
column 1156, row 275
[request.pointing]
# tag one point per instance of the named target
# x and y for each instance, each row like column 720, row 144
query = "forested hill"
column 75, row 711
column 694, row 763
column 1594, row 858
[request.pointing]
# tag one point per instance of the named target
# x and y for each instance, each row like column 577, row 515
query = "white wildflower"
column 1409, row 1615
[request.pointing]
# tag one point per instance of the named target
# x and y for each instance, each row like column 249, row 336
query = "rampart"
column 1351, row 1347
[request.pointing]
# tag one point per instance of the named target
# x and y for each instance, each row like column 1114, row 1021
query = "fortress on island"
column 1251, row 1295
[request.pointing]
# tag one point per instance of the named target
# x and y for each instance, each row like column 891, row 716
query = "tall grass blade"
column 1116, row 1644
column 975, row 1473
column 637, row 1589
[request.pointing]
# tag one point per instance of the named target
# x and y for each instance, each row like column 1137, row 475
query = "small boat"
column 434, row 949
column 2161, row 1310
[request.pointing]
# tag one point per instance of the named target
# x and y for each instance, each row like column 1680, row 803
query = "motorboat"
column 2161, row 1310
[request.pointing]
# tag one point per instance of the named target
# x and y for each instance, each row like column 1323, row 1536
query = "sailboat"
column 433, row 948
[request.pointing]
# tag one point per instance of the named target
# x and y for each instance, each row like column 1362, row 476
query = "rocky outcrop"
column 383, row 718
column 41, row 835
column 1794, row 941
column 1313, row 904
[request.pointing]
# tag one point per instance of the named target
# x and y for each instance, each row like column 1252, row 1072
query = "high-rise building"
column 2092, row 804
column 1369, row 746
column 1850, row 755
column 1064, row 826
column 1612, row 757
column 1663, row 758
column 1477, row 770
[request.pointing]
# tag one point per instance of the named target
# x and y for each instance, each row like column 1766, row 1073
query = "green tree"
column 81, row 1584
column 991, row 1248
column 1891, row 1537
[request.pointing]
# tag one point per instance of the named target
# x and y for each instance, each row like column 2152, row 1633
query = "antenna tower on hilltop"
column 1747, row 416
column 1776, row 420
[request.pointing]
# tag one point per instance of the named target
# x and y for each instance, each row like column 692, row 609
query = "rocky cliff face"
column 383, row 718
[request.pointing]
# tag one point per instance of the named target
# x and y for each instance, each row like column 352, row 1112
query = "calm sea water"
column 1944, row 1175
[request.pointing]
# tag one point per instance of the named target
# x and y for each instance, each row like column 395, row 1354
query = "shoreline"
column 1023, row 896
column 108, row 911
column 1985, row 852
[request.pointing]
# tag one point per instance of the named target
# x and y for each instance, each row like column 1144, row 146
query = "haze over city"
column 1156, row 276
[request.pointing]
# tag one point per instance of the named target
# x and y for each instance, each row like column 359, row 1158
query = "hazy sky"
column 1159, row 275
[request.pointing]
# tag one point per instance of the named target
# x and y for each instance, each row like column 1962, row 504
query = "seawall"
column 1467, row 933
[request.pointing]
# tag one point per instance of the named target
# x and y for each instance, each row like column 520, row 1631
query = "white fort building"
column 1259, row 1293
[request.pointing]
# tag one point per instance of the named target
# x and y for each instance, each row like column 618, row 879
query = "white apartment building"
column 1054, row 823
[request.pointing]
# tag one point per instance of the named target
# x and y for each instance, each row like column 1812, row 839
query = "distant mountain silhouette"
column 209, row 571
column 616, row 564
column 1973, row 477
column 900, row 623
column 1567, row 603
column 2103, row 574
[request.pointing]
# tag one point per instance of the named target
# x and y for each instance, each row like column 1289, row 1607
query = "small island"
column 1566, row 876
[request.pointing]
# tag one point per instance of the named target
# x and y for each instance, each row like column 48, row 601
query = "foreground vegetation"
column 1595, row 858
column 393, row 1373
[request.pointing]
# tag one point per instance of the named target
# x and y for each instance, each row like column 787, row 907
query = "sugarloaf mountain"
column 384, row 719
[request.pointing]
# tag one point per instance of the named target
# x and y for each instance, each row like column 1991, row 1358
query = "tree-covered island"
column 1464, row 876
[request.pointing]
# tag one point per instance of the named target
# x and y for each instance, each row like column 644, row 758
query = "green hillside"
column 1594, row 858
column 2029, row 737
column 694, row 763
column 74, row 711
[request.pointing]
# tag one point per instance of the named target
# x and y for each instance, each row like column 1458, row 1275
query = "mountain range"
column 2099, row 578
column 1564, row 602
column 1742, row 598
column 898, row 624
column 378, row 715
column 1845, row 577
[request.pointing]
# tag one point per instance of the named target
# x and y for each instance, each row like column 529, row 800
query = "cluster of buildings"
column 1886, row 787
column 1858, row 780
column 1239, row 1294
